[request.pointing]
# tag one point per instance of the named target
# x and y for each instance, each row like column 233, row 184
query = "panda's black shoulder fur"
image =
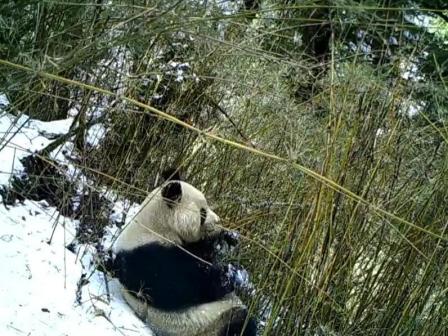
column 169, row 277
column 172, row 174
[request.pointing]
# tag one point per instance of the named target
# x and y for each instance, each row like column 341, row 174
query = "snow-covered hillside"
column 39, row 280
column 39, row 275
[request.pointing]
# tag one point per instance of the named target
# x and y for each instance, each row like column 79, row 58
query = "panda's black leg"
column 237, row 321
column 251, row 328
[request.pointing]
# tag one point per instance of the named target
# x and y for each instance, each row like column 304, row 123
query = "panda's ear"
column 172, row 193
column 172, row 174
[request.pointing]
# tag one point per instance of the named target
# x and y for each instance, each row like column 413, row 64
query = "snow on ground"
column 39, row 278
column 21, row 135
column 95, row 134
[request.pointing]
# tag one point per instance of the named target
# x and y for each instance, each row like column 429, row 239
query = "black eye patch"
column 203, row 215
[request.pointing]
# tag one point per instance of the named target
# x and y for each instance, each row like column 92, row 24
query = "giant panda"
column 165, row 263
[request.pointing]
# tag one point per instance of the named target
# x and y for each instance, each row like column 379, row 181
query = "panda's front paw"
column 222, row 281
column 224, row 244
column 238, row 276
column 232, row 238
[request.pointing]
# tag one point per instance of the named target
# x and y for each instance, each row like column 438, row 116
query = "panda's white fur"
column 206, row 319
column 171, row 220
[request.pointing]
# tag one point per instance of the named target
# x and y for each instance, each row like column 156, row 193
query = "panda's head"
column 188, row 214
column 176, row 212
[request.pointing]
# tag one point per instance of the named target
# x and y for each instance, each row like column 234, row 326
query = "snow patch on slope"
column 20, row 136
column 39, row 280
